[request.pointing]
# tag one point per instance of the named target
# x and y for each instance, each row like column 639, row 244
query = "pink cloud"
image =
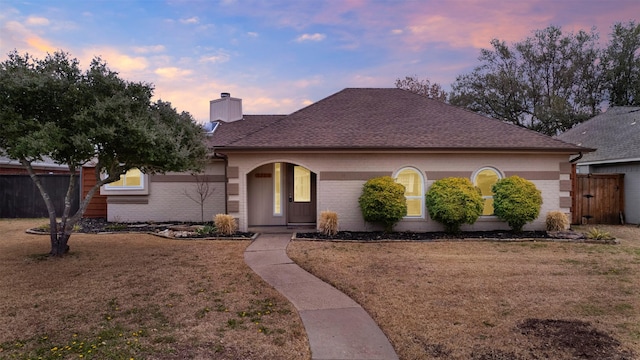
column 37, row 21
column 311, row 37
column 17, row 36
column 475, row 23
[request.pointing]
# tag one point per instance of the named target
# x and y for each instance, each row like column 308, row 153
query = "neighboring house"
column 616, row 136
column 285, row 169
column 46, row 166
column 19, row 196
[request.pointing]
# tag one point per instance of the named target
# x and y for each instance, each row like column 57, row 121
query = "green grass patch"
column 110, row 343
column 572, row 262
column 590, row 310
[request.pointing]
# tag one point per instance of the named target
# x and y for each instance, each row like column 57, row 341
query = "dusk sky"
column 281, row 55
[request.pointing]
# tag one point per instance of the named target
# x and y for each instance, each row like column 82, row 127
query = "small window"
column 301, row 184
column 132, row 179
column 277, row 189
column 484, row 179
column 414, row 190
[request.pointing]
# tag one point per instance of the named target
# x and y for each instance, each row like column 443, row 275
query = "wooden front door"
column 301, row 195
column 598, row 199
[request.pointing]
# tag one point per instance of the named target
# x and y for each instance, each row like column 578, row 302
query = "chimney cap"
column 225, row 95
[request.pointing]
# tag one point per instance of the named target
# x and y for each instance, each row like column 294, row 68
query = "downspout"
column 576, row 158
column 226, row 179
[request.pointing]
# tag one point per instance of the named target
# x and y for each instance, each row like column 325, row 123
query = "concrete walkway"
column 337, row 327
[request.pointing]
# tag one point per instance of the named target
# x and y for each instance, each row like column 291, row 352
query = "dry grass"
column 225, row 224
column 557, row 221
column 328, row 223
column 138, row 296
column 471, row 300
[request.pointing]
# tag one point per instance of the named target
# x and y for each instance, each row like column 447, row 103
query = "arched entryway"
column 281, row 194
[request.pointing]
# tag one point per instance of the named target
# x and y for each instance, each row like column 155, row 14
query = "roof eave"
column 608, row 161
column 562, row 150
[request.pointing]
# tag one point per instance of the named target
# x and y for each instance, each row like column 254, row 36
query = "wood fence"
column 20, row 198
column 598, row 198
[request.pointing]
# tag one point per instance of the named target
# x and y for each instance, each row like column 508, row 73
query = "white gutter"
column 611, row 161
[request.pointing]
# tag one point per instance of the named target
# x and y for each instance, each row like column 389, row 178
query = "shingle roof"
column 228, row 133
column 386, row 118
column 46, row 162
column 615, row 134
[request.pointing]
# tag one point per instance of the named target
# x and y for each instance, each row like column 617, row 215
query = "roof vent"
column 225, row 109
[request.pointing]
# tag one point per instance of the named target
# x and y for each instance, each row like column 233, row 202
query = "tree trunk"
column 60, row 247
column 54, row 231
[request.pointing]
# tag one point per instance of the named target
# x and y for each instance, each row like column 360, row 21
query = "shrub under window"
column 383, row 202
column 516, row 201
column 453, row 202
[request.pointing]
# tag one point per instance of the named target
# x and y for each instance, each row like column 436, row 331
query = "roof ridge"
column 258, row 129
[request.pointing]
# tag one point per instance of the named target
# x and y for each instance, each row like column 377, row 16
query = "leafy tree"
column 422, row 87
column 383, row 202
column 622, row 61
column 547, row 82
column 453, row 202
column 50, row 108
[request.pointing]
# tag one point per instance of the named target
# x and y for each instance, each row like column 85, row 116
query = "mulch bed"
column 423, row 236
column 500, row 235
column 188, row 230
column 180, row 229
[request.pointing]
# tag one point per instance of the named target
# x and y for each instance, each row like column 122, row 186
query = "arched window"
column 484, row 179
column 414, row 190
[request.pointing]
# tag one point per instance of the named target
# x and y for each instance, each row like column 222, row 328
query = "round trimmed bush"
column 516, row 201
column 453, row 202
column 383, row 202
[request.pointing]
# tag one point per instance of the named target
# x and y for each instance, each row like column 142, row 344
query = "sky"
column 279, row 56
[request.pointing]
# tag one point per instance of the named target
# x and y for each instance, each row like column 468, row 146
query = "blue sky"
column 281, row 55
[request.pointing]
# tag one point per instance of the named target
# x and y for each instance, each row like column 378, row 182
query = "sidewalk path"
column 338, row 328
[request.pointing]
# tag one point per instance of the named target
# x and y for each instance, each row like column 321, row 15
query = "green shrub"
column 597, row 234
column 453, row 202
column 206, row 230
column 516, row 201
column 383, row 202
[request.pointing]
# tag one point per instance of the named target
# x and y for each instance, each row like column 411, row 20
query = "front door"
column 301, row 195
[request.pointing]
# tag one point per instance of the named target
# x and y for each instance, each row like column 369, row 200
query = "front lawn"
column 138, row 296
column 492, row 300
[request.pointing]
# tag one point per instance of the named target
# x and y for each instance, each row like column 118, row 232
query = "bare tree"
column 622, row 61
column 422, row 87
column 547, row 82
column 202, row 192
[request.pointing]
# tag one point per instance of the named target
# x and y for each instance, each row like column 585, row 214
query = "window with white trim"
column 131, row 180
column 414, row 191
column 484, row 179
column 301, row 184
column 277, row 189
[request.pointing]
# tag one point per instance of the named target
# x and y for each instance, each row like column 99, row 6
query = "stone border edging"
column 511, row 240
column 255, row 235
